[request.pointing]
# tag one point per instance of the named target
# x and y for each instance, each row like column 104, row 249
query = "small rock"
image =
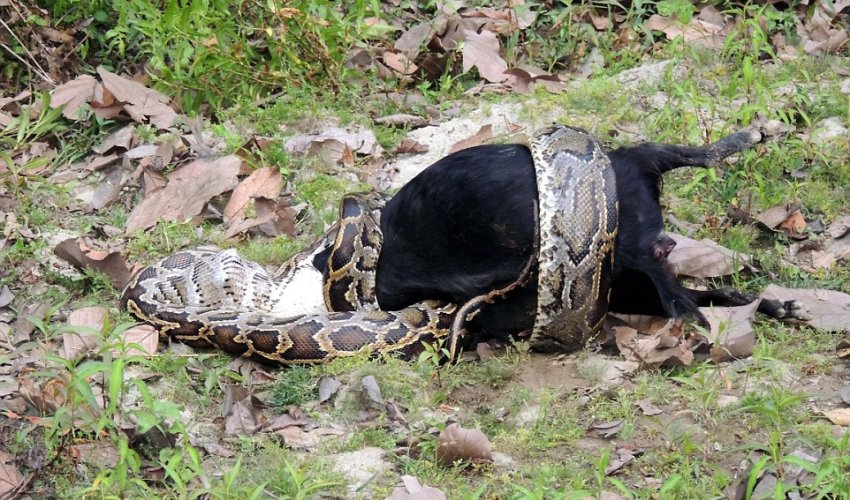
column 725, row 400
column 361, row 465
column 528, row 415
column 827, row 129
column 504, row 461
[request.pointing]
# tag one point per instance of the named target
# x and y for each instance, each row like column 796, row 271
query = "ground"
column 80, row 418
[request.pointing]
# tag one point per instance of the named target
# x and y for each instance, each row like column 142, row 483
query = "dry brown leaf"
column 403, row 120
column 283, row 221
column 122, row 138
column 77, row 253
column 609, row 429
column 86, row 337
column 188, row 190
column 153, row 181
column 776, row 215
column 456, row 443
column 97, row 453
column 414, row 490
column 371, row 388
column 10, row 477
column 328, row 386
column 703, row 258
column 241, row 226
column 484, row 134
column 73, row 95
column 141, row 100
column 109, row 188
column 6, row 296
column 839, row 227
column 830, row 310
column 648, row 409
column 240, row 412
column 410, row 146
column 623, row 457
column 700, row 32
column 839, row 416
column 265, row 182
column 399, row 63
column 794, row 225
column 481, row 51
column 145, row 336
column 412, row 40
column 46, row 395
column 100, row 162
column 731, row 332
column 361, row 142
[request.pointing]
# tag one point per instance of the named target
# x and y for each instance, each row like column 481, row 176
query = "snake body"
column 220, row 299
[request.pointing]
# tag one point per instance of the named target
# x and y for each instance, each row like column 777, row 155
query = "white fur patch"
column 302, row 294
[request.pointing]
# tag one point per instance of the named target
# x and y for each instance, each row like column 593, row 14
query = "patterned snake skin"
column 219, row 299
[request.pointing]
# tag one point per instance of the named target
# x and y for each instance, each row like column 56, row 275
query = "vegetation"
column 117, row 424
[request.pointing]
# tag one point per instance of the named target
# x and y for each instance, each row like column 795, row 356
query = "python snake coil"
column 219, row 299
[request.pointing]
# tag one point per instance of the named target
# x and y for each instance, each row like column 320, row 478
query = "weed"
column 294, row 386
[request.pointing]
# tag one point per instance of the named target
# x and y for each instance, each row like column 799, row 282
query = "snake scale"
column 219, row 299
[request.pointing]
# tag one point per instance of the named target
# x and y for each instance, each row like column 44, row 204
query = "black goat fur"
column 465, row 226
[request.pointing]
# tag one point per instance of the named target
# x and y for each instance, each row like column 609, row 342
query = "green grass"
column 294, row 81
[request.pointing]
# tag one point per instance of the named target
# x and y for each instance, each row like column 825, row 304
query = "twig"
column 37, row 38
column 37, row 69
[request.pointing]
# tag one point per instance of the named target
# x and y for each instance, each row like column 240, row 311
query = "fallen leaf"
column 77, row 253
column 73, row 94
column 481, row 51
column 703, row 258
column 414, row 490
column 265, row 182
column 794, row 225
column 839, row 227
column 188, row 190
column 100, row 162
column 240, row 412
column 830, row 310
column 328, row 386
column 109, row 188
column 146, row 337
column 10, row 477
column 484, row 134
column 370, row 386
column 699, row 32
column 410, row 146
column 6, row 296
column 23, row 326
column 140, row 99
column 776, row 215
column 399, row 63
column 412, row 40
column 839, row 416
column 403, row 120
column 121, row 138
column 648, row 408
column 97, row 453
column 46, row 396
column 609, row 429
column 361, row 142
column 621, row 458
column 456, row 443
column 394, row 412
column 244, row 225
column 86, row 337
column 731, row 331
column 283, row 219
